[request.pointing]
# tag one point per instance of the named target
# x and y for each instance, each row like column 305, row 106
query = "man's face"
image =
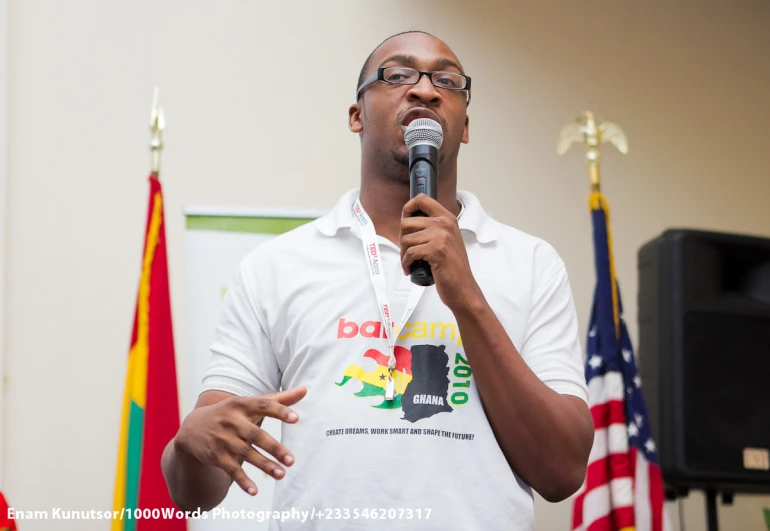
column 384, row 111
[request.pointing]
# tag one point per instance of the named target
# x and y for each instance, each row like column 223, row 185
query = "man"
column 489, row 396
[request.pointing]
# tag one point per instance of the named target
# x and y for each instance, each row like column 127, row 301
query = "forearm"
column 192, row 484
column 545, row 436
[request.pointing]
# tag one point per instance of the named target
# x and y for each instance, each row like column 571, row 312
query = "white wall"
column 688, row 82
column 3, row 202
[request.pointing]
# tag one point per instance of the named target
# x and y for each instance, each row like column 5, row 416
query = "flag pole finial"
column 585, row 129
column 157, row 124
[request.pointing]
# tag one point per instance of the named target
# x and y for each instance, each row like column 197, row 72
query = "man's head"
column 384, row 110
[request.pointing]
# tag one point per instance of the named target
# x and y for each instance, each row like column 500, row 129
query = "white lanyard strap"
column 377, row 276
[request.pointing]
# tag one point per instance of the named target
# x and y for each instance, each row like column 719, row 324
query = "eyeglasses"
column 402, row 75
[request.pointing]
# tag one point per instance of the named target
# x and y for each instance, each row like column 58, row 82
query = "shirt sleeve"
column 552, row 345
column 242, row 358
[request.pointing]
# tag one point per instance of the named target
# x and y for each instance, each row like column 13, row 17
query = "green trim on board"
column 255, row 225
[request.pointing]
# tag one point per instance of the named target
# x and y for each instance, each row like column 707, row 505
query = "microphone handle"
column 423, row 179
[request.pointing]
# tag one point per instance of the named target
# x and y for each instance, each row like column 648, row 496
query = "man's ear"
column 466, row 137
column 355, row 120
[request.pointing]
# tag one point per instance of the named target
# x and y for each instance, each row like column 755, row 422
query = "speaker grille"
column 727, row 390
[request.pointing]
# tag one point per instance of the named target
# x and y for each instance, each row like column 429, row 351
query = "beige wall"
column 689, row 84
column 3, row 203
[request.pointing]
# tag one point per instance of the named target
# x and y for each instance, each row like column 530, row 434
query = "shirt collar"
column 341, row 216
column 473, row 217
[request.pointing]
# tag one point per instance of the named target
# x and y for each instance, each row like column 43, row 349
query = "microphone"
column 423, row 137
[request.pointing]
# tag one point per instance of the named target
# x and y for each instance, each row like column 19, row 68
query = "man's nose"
column 424, row 90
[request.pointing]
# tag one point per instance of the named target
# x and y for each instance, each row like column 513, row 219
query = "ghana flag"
column 150, row 402
column 6, row 523
column 374, row 381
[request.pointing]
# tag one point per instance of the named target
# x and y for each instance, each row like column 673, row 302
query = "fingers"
column 424, row 203
column 291, row 396
column 268, row 466
column 247, row 453
column 409, row 243
column 415, row 238
column 225, row 434
column 236, row 473
column 418, row 252
column 418, row 223
column 240, row 447
column 263, row 406
column 250, row 434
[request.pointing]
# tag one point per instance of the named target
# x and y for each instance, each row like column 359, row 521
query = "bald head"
column 377, row 57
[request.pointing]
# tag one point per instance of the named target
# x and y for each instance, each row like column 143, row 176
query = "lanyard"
column 377, row 276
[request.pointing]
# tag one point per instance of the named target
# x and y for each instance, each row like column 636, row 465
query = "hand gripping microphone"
column 423, row 137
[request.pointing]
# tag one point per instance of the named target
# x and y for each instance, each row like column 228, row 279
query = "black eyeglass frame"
column 379, row 75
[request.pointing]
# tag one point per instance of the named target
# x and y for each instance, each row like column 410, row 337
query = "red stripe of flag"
column 623, row 517
column 577, row 509
column 599, row 472
column 605, row 414
column 601, row 524
column 161, row 414
column 403, row 358
column 617, row 519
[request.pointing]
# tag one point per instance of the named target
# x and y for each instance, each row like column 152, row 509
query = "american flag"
column 623, row 488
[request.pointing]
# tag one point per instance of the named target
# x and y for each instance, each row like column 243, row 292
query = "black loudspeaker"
column 704, row 358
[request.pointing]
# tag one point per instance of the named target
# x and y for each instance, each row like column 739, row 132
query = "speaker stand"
column 711, row 510
column 712, row 524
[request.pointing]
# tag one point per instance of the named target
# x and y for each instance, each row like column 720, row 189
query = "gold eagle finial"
column 585, row 129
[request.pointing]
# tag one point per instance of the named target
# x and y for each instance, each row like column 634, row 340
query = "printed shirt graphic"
column 374, row 381
column 301, row 311
column 424, row 391
column 427, row 393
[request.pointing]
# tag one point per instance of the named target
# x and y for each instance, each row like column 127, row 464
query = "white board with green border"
column 216, row 240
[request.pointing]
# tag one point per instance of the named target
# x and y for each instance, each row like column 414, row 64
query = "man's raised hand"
column 225, row 434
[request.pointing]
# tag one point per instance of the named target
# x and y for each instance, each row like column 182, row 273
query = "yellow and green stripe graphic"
column 374, row 381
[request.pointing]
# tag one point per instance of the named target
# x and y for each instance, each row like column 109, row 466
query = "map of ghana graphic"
column 421, row 378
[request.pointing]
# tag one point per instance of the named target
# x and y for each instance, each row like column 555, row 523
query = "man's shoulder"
column 299, row 240
column 529, row 246
column 521, row 247
column 313, row 238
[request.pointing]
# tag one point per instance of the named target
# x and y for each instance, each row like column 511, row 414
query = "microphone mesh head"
column 424, row 131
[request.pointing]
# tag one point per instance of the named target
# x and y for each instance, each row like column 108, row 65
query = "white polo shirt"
column 302, row 311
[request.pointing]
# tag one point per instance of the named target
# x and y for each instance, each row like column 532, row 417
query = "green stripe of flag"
column 390, row 404
column 133, row 461
column 370, row 390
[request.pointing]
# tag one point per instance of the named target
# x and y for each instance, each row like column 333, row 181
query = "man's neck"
column 384, row 201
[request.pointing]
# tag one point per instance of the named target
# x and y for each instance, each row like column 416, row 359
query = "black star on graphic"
column 382, row 376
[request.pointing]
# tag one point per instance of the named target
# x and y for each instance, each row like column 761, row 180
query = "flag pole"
column 150, row 415
column 585, row 129
column 615, row 396
column 157, row 124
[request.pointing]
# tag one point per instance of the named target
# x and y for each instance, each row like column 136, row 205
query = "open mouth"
column 419, row 112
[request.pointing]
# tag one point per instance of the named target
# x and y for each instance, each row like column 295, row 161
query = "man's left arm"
column 546, row 436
